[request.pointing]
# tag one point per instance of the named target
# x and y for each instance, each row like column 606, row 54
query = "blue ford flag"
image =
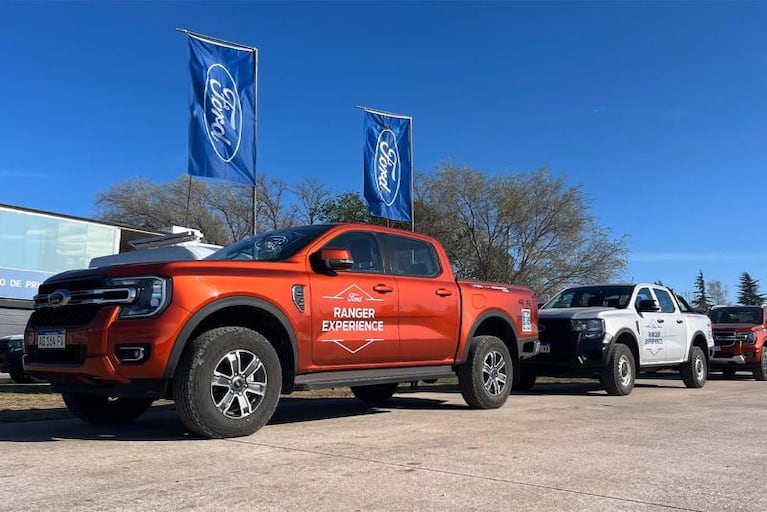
column 222, row 129
column 388, row 164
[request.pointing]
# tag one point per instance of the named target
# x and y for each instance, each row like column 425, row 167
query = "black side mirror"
column 648, row 306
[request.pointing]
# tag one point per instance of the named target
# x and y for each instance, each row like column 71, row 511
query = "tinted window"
column 363, row 248
column 643, row 294
column 666, row 303
column 736, row 315
column 413, row 258
column 272, row 246
column 592, row 296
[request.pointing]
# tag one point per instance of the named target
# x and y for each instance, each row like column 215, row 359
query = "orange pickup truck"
column 301, row 308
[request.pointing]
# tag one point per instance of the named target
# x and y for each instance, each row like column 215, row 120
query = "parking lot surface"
column 567, row 447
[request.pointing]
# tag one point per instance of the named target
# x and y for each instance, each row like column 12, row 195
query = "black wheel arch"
column 699, row 339
column 269, row 321
column 494, row 323
column 625, row 333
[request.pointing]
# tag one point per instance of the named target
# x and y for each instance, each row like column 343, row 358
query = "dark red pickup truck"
column 740, row 335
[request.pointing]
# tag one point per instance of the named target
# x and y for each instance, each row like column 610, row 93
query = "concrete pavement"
column 560, row 447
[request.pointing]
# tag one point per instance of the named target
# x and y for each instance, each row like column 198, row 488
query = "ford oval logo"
column 387, row 167
column 59, row 298
column 223, row 112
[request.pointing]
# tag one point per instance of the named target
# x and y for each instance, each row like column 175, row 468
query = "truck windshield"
column 273, row 246
column 613, row 296
column 736, row 315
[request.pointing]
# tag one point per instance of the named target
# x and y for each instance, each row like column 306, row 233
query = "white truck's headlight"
column 151, row 297
column 591, row 328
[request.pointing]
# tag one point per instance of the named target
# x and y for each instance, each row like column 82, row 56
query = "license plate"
column 545, row 348
column 52, row 339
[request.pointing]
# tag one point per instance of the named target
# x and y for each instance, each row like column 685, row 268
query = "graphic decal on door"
column 353, row 293
column 353, row 318
column 653, row 340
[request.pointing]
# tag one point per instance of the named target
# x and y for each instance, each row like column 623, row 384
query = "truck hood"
column 171, row 268
column 574, row 313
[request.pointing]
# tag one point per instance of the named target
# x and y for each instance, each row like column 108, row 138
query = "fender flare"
column 185, row 334
column 485, row 316
column 614, row 340
column 706, row 351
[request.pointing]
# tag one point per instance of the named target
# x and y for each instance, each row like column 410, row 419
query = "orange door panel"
column 354, row 319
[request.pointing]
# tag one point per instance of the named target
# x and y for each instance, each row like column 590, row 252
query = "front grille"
column 728, row 338
column 73, row 285
column 68, row 316
column 73, row 354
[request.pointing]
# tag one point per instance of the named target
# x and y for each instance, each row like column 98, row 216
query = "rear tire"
column 376, row 393
column 486, row 376
column 526, row 381
column 105, row 410
column 619, row 375
column 227, row 383
column 760, row 368
column 695, row 370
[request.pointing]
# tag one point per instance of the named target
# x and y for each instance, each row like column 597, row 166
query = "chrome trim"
column 79, row 297
column 729, row 338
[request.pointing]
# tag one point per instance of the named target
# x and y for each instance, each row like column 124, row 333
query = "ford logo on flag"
column 223, row 112
column 387, row 167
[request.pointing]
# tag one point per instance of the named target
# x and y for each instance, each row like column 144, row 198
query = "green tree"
column 346, row 207
column 530, row 228
column 701, row 301
column 748, row 291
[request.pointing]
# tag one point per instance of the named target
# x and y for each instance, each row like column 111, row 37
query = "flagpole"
column 412, row 181
column 255, row 140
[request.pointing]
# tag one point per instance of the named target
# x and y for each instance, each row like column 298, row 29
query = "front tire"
column 695, row 370
column 760, row 368
column 227, row 383
column 620, row 373
column 375, row 393
column 486, row 376
column 105, row 410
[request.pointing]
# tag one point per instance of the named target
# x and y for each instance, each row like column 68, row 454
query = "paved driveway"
column 562, row 447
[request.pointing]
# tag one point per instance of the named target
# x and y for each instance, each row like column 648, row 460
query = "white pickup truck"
column 611, row 332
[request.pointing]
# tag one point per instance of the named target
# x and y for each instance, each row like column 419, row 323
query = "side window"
column 665, row 301
column 363, row 248
column 642, row 294
column 413, row 258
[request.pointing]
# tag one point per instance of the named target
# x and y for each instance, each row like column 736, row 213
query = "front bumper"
column 569, row 354
column 89, row 357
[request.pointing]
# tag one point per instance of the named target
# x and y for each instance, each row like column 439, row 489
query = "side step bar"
column 367, row 377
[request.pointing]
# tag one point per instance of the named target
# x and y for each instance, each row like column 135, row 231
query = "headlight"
column 151, row 297
column 591, row 328
column 16, row 345
column 750, row 338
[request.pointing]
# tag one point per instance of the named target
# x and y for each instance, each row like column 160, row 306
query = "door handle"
column 442, row 292
column 660, row 320
column 382, row 288
column 680, row 321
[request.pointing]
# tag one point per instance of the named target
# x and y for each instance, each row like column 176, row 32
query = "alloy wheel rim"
column 700, row 369
column 238, row 384
column 624, row 371
column 764, row 359
column 494, row 375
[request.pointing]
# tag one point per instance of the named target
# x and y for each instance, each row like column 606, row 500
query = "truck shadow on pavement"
column 160, row 423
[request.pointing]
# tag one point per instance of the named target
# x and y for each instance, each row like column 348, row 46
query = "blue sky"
column 658, row 109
